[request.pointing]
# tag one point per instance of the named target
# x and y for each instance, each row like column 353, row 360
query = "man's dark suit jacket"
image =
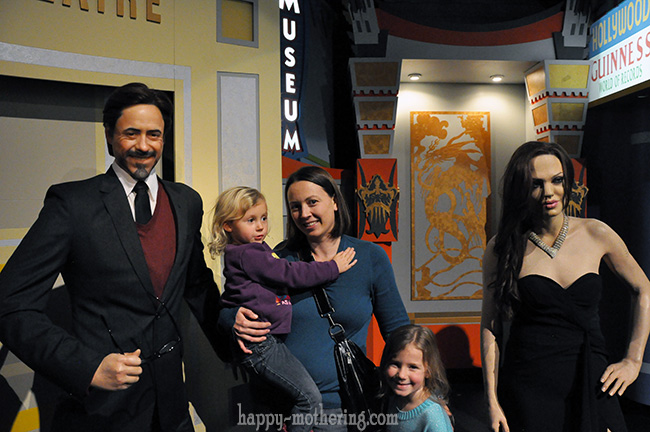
column 86, row 232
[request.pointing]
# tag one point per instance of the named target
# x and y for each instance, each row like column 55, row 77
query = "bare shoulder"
column 489, row 258
column 489, row 250
column 595, row 234
column 594, row 228
column 490, row 244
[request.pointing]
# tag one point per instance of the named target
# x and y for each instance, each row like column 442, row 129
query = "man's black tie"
column 142, row 206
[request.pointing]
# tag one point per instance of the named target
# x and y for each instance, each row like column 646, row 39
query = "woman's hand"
column 497, row 418
column 248, row 328
column 618, row 376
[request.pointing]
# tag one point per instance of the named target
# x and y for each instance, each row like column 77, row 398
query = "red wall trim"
column 539, row 30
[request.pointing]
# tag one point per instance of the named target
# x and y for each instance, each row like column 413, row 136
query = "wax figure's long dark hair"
column 296, row 239
column 519, row 214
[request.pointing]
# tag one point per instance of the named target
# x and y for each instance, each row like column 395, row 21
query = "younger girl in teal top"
column 417, row 381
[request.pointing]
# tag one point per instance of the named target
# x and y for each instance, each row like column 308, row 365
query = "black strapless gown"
column 554, row 358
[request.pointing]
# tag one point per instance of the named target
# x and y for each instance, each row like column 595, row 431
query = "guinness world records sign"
column 619, row 49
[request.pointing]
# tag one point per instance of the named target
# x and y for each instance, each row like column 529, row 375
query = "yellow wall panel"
column 237, row 19
column 71, row 29
column 567, row 75
column 536, row 81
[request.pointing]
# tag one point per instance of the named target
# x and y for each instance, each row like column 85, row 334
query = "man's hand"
column 118, row 371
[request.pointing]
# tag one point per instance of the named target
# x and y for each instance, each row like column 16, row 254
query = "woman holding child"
column 316, row 227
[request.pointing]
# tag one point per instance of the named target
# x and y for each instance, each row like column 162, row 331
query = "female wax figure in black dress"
column 541, row 271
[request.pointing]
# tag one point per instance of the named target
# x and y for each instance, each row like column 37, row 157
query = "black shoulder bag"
column 359, row 379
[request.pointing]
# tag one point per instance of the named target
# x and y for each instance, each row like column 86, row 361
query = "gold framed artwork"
column 450, row 189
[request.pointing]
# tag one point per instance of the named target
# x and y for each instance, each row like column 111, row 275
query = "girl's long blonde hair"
column 231, row 205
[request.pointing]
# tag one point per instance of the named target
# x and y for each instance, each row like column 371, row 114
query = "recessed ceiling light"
column 496, row 78
column 415, row 76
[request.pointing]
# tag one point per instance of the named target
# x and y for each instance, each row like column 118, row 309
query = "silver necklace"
column 557, row 244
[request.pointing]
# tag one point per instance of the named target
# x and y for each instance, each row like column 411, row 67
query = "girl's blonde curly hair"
column 231, row 205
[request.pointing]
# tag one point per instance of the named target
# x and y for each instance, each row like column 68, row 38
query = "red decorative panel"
column 377, row 199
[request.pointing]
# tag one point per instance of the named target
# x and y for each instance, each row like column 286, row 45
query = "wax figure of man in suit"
column 121, row 364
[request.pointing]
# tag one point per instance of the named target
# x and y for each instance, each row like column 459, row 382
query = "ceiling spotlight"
column 496, row 78
column 415, row 76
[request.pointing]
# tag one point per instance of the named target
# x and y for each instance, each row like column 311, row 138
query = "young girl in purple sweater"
column 256, row 278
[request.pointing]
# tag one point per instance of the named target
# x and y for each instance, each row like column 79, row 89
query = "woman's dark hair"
column 422, row 338
column 520, row 214
column 136, row 94
column 296, row 239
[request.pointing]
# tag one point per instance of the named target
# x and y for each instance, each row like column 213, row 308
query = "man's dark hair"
column 136, row 94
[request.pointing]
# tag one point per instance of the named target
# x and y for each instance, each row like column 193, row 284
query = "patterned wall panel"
column 450, row 186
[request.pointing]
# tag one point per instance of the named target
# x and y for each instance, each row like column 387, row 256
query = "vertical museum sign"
column 292, row 44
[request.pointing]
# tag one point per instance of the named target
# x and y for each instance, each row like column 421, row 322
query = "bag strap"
column 323, row 304
column 325, row 309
